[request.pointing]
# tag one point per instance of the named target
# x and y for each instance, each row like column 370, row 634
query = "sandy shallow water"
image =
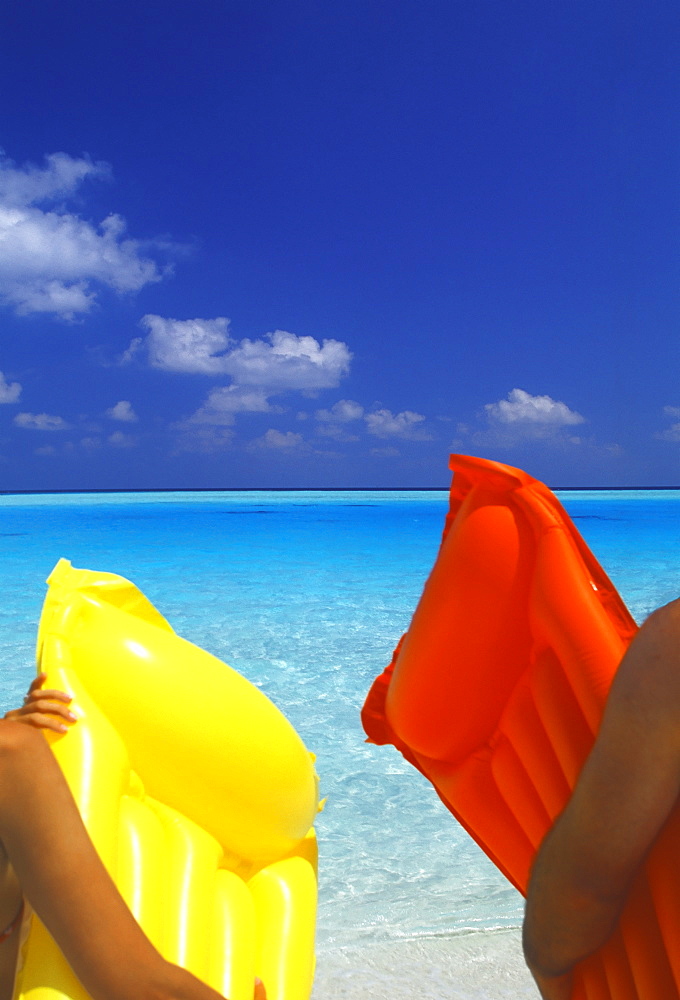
column 477, row 966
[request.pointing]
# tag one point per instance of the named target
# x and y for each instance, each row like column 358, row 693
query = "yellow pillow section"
column 197, row 792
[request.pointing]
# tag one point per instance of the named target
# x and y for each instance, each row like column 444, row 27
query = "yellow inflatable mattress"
column 196, row 791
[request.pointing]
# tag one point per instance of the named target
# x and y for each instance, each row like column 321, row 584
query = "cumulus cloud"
column 223, row 403
column 342, row 412
column 522, row 408
column 122, row 411
column 120, row 440
column 337, row 432
column 332, row 422
column 9, row 391
column 407, row 425
column 40, row 422
column 130, row 352
column 522, row 418
column 193, row 346
column 285, row 361
column 279, row 361
column 671, row 433
column 278, row 440
column 60, row 176
column 51, row 260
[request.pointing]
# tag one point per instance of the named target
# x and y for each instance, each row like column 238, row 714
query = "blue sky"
column 255, row 243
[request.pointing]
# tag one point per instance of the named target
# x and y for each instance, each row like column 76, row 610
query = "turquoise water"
column 306, row 593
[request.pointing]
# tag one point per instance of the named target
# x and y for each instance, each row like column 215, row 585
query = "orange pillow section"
column 496, row 691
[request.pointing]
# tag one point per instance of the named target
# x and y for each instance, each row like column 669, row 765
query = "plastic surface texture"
column 496, row 692
column 196, row 791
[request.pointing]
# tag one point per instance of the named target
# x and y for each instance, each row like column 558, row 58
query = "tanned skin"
column 628, row 786
column 47, row 855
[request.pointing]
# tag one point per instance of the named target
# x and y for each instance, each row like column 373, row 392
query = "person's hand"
column 46, row 710
column 260, row 992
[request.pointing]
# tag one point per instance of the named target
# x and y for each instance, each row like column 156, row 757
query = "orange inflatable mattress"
column 496, row 692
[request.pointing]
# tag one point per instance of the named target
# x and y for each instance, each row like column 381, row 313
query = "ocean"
column 306, row 593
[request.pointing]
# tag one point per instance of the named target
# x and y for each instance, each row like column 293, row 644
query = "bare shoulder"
column 636, row 755
column 648, row 679
column 665, row 619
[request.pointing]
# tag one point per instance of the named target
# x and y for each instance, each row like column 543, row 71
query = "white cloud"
column 342, row 412
column 50, row 259
column 9, row 391
column 522, row 418
column 671, row 433
column 521, row 408
column 281, row 441
column 406, row 425
column 279, row 362
column 289, row 362
column 388, row 452
column 120, row 440
column 224, row 402
column 193, row 346
column 134, row 348
column 336, row 432
column 60, row 176
column 40, row 422
column 122, row 411
column 332, row 422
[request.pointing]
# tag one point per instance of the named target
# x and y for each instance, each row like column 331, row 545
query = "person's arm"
column 554, row 987
column 628, row 786
column 61, row 874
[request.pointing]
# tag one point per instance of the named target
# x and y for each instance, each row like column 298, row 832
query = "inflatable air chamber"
column 496, row 692
column 198, row 795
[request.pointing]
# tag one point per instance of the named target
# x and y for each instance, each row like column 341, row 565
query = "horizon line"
column 299, row 489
